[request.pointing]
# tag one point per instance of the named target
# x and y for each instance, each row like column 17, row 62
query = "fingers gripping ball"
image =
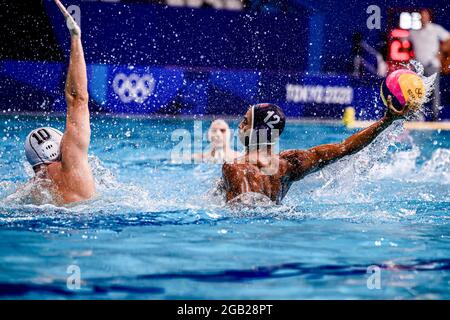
column 405, row 86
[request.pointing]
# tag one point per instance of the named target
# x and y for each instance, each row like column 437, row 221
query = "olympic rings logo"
column 133, row 87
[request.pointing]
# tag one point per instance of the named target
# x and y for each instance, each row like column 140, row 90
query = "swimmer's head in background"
column 262, row 125
column 42, row 146
column 219, row 133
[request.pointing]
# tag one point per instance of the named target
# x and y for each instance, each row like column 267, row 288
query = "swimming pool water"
column 159, row 231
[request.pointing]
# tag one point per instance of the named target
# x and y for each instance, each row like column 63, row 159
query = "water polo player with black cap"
column 60, row 161
column 261, row 171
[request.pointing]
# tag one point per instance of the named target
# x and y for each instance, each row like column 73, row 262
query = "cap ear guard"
column 42, row 146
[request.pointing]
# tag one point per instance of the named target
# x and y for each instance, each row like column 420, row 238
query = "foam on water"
column 355, row 177
column 111, row 194
column 377, row 183
column 159, row 225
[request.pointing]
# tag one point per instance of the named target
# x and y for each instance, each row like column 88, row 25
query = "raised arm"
column 303, row 162
column 75, row 143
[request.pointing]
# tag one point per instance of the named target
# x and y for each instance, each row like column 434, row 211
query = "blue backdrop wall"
column 148, row 58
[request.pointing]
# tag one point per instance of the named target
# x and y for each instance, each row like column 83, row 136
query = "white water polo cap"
column 43, row 146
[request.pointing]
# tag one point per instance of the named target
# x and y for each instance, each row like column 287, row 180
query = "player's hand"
column 71, row 23
column 395, row 114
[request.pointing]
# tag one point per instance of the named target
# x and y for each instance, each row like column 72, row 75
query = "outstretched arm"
column 75, row 143
column 303, row 162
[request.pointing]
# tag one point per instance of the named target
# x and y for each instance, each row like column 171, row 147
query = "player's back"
column 267, row 176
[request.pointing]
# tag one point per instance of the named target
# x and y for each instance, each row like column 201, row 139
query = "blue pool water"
column 159, row 231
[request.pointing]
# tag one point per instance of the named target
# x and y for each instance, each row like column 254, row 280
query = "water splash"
column 348, row 173
column 167, row 197
column 110, row 192
column 415, row 66
column 429, row 83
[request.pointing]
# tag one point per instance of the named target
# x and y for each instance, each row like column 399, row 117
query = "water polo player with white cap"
column 43, row 146
column 263, row 172
column 62, row 159
column 220, row 149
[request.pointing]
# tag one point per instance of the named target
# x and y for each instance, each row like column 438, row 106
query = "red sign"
column 400, row 49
